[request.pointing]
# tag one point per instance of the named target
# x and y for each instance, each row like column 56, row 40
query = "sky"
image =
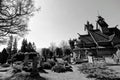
column 60, row 20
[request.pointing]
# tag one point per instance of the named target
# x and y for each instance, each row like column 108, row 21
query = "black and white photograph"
column 59, row 40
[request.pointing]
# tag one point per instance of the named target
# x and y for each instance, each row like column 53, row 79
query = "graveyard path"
column 75, row 75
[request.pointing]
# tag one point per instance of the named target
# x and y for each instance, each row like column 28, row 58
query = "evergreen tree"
column 67, row 51
column 44, row 52
column 9, row 46
column 3, row 56
column 30, row 47
column 14, row 46
column 24, row 46
column 72, row 43
column 27, row 47
column 59, row 52
column 34, row 46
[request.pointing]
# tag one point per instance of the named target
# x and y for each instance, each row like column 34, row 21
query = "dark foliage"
column 32, row 54
column 67, row 51
column 3, row 56
column 72, row 43
column 27, row 47
column 9, row 61
column 46, row 65
column 46, row 53
column 25, row 76
column 41, row 70
column 24, row 46
column 67, row 58
column 69, row 68
column 27, row 69
column 50, row 55
column 59, row 52
column 52, row 62
column 59, row 68
column 5, row 65
column 16, row 71
column 18, row 57
column 30, row 47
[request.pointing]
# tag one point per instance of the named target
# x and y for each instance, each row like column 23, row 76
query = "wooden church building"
column 101, row 40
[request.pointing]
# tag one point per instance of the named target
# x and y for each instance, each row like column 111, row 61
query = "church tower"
column 103, row 25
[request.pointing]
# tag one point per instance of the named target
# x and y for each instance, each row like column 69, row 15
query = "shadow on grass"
column 43, row 71
column 3, row 70
column 80, row 62
column 110, row 64
column 37, row 78
column 21, row 76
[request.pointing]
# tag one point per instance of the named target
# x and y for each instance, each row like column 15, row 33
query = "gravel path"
column 75, row 75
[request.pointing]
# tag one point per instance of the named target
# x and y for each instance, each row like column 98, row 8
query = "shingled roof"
column 86, row 39
column 99, row 36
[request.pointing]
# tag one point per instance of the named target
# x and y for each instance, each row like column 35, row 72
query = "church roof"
column 86, row 39
column 96, row 37
column 99, row 36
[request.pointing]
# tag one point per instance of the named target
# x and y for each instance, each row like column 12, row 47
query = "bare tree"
column 14, row 16
column 52, row 47
column 64, row 45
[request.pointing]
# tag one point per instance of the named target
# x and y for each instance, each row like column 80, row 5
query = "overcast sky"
column 62, row 19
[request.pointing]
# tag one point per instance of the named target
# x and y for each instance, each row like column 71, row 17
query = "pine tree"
column 24, row 46
column 14, row 46
column 9, row 47
column 29, row 47
column 59, row 52
column 3, row 56
column 34, row 46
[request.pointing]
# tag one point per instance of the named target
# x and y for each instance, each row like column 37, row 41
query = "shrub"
column 6, row 65
column 27, row 69
column 19, row 76
column 41, row 70
column 16, row 70
column 24, row 76
column 59, row 68
column 46, row 65
column 9, row 61
column 18, row 57
column 68, row 68
column 66, row 58
column 51, row 62
column 3, row 56
column 98, row 71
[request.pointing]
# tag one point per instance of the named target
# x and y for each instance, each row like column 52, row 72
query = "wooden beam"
column 93, row 39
